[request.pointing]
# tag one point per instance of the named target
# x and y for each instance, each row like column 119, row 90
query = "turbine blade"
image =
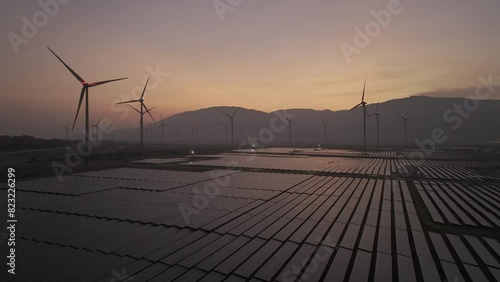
column 105, row 81
column 400, row 117
column 364, row 87
column 355, row 107
column 97, row 124
column 236, row 111
column 125, row 102
column 82, row 81
column 144, row 91
column 134, row 109
column 148, row 111
column 78, row 109
column 226, row 114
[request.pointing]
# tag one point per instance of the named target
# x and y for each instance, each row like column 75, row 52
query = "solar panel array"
column 356, row 221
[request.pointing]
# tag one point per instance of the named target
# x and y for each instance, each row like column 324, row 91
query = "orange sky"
column 264, row 55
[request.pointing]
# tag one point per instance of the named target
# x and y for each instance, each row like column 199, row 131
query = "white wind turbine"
column 231, row 117
column 162, row 126
column 84, row 93
column 141, row 112
column 324, row 122
column 66, row 130
column 377, row 114
column 405, row 119
column 95, row 128
column 290, row 128
column 365, row 114
column 226, row 124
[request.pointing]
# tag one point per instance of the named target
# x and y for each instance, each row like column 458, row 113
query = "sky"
column 258, row 54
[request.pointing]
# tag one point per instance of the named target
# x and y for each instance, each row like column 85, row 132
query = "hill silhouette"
column 425, row 114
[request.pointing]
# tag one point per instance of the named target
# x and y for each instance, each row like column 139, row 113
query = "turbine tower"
column 377, row 114
column 324, row 129
column 405, row 119
column 84, row 93
column 258, row 130
column 231, row 117
column 141, row 112
column 290, row 129
column 363, row 103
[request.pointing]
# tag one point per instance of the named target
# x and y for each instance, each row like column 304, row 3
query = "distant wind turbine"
column 405, row 119
column 290, row 128
column 226, row 124
column 95, row 128
column 112, row 132
column 162, row 125
column 152, row 131
column 324, row 129
column 258, row 130
column 377, row 114
column 363, row 103
column 231, row 117
column 192, row 133
column 198, row 134
column 66, row 129
column 84, row 93
column 141, row 112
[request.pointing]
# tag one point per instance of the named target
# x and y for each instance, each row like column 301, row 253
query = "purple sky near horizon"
column 263, row 55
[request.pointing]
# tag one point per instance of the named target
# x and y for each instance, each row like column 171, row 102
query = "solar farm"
column 276, row 214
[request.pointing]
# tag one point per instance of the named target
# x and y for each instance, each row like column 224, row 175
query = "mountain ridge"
column 344, row 127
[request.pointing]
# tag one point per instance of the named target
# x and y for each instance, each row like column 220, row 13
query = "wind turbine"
column 152, row 131
column 95, row 127
column 324, row 129
column 290, row 128
column 84, row 93
column 162, row 125
column 197, row 134
column 363, row 103
column 377, row 114
column 226, row 124
column 405, row 119
column 141, row 112
column 66, row 129
column 258, row 130
column 192, row 133
column 231, row 117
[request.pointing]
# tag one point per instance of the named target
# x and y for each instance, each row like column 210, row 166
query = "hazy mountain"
column 344, row 127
